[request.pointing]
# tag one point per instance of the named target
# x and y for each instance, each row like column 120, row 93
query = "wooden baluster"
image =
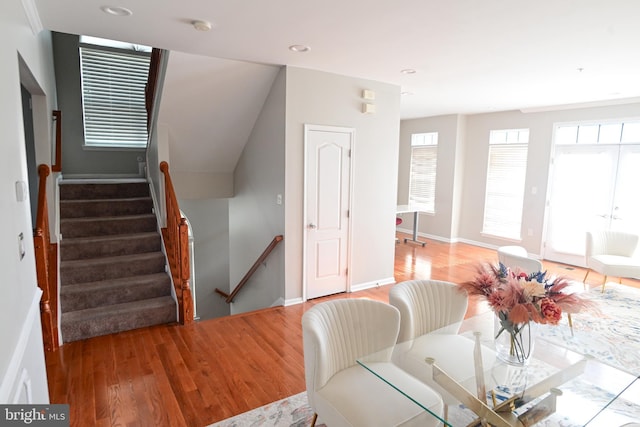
column 41, row 245
column 176, row 237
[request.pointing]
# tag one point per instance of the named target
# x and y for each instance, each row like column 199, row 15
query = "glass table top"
column 557, row 387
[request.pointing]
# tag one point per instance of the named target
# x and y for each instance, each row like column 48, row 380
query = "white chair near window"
column 516, row 257
column 343, row 393
column 612, row 253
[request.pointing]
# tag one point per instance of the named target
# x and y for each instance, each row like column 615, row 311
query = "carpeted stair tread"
column 105, row 207
column 81, row 296
column 112, row 271
column 100, row 226
column 81, row 324
column 110, row 245
column 105, row 268
column 103, row 190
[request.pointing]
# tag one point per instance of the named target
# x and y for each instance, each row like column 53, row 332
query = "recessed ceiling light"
column 408, row 71
column 201, row 25
column 116, row 10
column 300, row 48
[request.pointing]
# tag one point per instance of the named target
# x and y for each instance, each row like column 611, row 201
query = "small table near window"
column 400, row 209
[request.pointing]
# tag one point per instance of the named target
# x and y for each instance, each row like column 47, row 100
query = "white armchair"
column 428, row 305
column 516, row 257
column 612, row 253
column 343, row 393
column 431, row 313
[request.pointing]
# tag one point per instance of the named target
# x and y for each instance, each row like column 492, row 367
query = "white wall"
column 448, row 182
column 202, row 185
column 209, row 219
column 315, row 97
column 18, row 287
column 254, row 217
column 473, row 133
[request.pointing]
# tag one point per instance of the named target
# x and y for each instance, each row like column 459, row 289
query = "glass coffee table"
column 557, row 387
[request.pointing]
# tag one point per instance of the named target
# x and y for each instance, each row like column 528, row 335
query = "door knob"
column 311, row 226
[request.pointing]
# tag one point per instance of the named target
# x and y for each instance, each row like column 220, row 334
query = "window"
column 505, row 183
column 113, row 100
column 599, row 133
column 422, row 177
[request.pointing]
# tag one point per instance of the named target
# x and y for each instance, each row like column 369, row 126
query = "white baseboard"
column 372, row 284
column 278, row 303
column 293, row 301
column 429, row 236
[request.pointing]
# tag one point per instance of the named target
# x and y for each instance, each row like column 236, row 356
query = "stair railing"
column 229, row 297
column 45, row 265
column 152, row 82
column 176, row 242
column 57, row 118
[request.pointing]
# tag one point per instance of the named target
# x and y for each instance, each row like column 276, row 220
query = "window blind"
column 505, row 190
column 422, row 182
column 113, row 84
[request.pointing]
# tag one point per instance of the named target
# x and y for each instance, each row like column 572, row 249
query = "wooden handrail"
column 57, row 117
column 44, row 265
column 152, row 81
column 176, row 242
column 229, row 297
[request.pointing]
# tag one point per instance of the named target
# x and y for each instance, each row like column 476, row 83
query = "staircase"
column 112, row 269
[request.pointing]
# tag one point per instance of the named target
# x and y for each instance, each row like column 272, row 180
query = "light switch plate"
column 21, row 191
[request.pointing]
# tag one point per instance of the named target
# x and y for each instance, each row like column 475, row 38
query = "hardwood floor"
column 202, row 373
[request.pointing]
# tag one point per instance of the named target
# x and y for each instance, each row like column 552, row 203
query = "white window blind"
column 113, row 97
column 505, row 186
column 422, row 178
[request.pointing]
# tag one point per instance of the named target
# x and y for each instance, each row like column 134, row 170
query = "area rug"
column 611, row 334
column 293, row 411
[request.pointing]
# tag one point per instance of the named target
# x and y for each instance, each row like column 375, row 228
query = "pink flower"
column 525, row 297
column 550, row 311
column 519, row 314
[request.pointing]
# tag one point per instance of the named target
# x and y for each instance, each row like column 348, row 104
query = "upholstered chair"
column 427, row 305
column 343, row 393
column 612, row 253
column 516, row 257
column 431, row 313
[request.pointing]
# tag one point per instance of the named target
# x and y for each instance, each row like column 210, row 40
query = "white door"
column 592, row 187
column 327, row 199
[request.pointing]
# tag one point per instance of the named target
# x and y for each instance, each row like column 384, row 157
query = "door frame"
column 324, row 128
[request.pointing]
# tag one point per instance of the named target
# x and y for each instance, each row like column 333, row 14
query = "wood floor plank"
column 177, row 376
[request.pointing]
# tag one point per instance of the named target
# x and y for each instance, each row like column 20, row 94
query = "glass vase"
column 513, row 341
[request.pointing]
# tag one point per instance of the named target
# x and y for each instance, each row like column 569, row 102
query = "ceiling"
column 470, row 56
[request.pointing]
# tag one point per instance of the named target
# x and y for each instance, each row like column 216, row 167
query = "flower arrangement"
column 518, row 298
